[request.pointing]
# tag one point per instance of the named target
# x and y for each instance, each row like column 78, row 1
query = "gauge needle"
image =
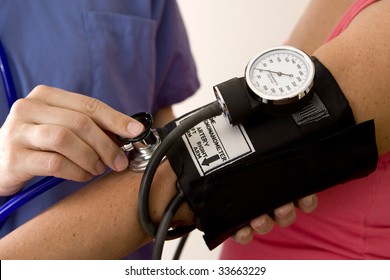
column 278, row 73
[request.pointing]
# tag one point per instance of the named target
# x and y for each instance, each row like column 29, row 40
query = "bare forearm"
column 97, row 222
column 80, row 226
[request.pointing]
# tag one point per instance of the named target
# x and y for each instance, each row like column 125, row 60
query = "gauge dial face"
column 280, row 74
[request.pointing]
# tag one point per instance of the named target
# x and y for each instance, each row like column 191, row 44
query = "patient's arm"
column 359, row 60
column 97, row 222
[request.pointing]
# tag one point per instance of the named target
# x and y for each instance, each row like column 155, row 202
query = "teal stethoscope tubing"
column 16, row 201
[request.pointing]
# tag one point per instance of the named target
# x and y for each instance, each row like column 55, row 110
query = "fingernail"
column 135, row 128
column 100, row 168
column 283, row 211
column 260, row 223
column 307, row 201
column 121, row 162
column 245, row 234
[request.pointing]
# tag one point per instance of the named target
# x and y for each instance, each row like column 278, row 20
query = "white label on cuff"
column 214, row 143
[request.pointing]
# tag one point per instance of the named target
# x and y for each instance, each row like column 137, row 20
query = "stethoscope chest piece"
column 140, row 149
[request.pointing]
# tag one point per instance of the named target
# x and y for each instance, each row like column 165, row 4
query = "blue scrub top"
column 132, row 54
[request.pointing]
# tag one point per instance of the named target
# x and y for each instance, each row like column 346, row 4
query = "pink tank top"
column 352, row 220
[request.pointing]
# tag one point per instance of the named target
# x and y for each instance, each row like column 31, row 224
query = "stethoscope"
column 14, row 202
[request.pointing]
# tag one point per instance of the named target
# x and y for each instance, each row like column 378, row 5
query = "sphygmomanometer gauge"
column 280, row 75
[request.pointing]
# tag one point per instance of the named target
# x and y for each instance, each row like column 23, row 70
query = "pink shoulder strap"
column 354, row 10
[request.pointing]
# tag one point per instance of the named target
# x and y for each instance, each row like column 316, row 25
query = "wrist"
column 162, row 191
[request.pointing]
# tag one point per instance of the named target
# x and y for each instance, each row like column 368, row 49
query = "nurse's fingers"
column 26, row 164
column 63, row 141
column 42, row 163
column 63, row 122
column 285, row 215
column 103, row 115
column 262, row 224
column 244, row 235
column 308, row 203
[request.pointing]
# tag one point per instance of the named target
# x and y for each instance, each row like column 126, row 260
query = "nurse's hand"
column 284, row 216
column 53, row 132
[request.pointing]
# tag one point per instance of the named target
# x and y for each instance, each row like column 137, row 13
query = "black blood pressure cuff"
column 274, row 160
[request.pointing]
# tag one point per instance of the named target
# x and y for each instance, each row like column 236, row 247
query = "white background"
column 115, row 270
column 224, row 35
